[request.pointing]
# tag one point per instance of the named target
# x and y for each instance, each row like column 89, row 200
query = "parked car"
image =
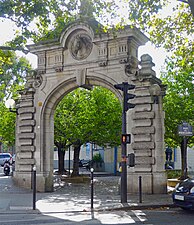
column 85, row 163
column 183, row 195
column 5, row 157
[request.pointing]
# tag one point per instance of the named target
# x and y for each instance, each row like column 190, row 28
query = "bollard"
column 34, row 186
column 92, row 188
column 140, row 189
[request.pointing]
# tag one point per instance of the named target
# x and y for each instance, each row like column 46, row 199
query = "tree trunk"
column 76, row 161
column 61, row 156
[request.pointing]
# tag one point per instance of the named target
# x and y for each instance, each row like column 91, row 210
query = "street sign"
column 185, row 130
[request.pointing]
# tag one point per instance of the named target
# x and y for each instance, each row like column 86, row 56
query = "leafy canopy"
column 88, row 116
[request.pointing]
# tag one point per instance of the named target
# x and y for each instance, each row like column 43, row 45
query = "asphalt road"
column 136, row 217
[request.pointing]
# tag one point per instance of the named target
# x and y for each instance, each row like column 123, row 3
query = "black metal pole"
column 124, row 153
column 140, row 189
column 34, row 187
column 92, row 188
column 185, row 156
column 69, row 162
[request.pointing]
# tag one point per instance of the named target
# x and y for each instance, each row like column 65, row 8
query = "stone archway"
column 83, row 57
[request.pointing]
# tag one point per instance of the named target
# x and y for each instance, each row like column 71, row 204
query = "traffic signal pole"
column 126, row 96
column 124, row 162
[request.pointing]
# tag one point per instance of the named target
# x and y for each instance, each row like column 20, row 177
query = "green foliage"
column 13, row 72
column 97, row 157
column 88, row 116
column 179, row 99
column 173, row 174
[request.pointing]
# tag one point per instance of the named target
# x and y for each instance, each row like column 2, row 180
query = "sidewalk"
column 69, row 197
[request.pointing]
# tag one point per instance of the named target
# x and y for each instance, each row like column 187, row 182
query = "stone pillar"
column 25, row 136
column 148, row 133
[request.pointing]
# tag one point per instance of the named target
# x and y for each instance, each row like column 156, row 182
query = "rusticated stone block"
column 143, row 100
column 26, row 110
column 144, row 160
column 143, row 145
column 27, row 123
column 143, row 108
column 26, row 161
column 142, row 137
column 143, row 152
column 143, row 130
column 143, row 115
column 26, row 142
column 24, row 155
column 26, row 116
column 27, row 148
column 143, row 123
column 28, row 103
column 143, row 168
column 26, row 129
column 26, row 135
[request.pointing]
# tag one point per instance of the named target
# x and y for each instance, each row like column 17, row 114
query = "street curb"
column 125, row 208
column 138, row 207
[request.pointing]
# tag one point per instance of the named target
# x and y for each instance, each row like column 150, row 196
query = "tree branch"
column 7, row 48
column 191, row 4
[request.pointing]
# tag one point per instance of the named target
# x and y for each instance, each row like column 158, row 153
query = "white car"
column 5, row 157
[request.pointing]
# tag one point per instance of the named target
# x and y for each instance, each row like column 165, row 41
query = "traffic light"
column 131, row 160
column 126, row 96
column 126, row 138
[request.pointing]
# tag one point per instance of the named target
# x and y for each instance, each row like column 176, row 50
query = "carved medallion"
column 80, row 46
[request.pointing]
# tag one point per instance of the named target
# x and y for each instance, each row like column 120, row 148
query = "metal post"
column 92, row 188
column 123, row 162
column 69, row 161
column 34, row 186
column 185, row 156
column 140, row 189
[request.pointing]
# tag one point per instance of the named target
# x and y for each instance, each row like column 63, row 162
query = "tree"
column 179, row 100
column 88, row 116
column 13, row 71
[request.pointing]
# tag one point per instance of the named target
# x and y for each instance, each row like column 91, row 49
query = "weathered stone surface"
column 26, row 110
column 26, row 161
column 27, row 148
column 143, row 145
column 24, row 155
column 143, row 130
column 143, row 108
column 26, row 135
column 27, row 123
column 26, row 129
column 26, row 142
column 28, row 103
column 143, row 152
column 143, row 123
column 142, row 137
column 144, row 160
column 26, row 116
column 143, row 115
column 143, row 100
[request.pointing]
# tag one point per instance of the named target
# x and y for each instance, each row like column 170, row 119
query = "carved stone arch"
column 112, row 60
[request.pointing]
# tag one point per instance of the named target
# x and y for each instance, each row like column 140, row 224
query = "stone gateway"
column 83, row 56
